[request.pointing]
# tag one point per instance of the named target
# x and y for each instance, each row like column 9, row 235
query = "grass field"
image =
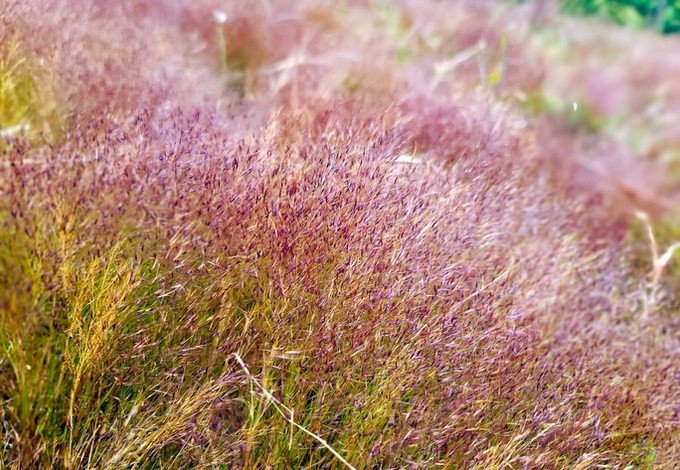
column 356, row 234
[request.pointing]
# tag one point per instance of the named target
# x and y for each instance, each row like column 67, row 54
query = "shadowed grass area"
column 295, row 272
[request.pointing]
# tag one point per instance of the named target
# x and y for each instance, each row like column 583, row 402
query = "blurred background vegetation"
column 663, row 15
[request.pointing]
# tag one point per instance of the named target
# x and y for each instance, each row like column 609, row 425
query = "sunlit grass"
column 304, row 275
column 28, row 104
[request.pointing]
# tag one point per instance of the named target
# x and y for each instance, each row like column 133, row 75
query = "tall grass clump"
column 301, row 274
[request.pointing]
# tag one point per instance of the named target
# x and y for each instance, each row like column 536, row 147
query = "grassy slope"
column 380, row 235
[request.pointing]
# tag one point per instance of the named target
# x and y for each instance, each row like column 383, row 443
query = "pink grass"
column 470, row 306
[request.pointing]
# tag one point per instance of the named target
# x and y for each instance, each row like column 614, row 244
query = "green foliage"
column 578, row 116
column 661, row 14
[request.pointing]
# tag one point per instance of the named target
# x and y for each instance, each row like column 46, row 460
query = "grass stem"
column 280, row 407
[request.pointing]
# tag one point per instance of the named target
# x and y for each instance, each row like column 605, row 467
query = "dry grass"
column 324, row 258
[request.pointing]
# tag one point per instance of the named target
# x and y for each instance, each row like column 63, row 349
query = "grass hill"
column 316, row 234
